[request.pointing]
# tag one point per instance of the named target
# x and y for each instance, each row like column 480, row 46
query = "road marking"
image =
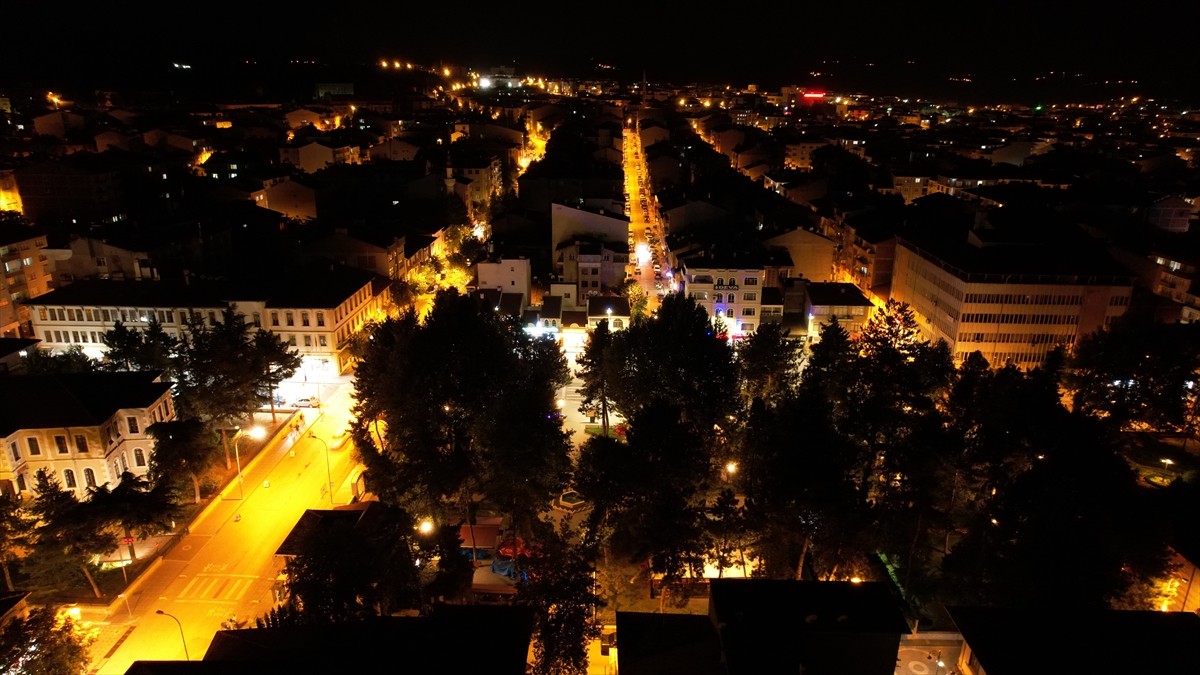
column 217, row 588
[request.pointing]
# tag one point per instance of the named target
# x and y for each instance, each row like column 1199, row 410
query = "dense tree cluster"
column 866, row 455
column 880, row 456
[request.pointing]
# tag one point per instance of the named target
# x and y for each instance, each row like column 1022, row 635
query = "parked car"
column 308, row 402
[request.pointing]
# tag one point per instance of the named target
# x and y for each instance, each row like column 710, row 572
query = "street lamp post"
column 253, row 432
column 328, row 472
column 936, row 657
column 181, row 636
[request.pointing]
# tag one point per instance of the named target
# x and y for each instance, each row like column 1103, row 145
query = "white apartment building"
column 733, row 294
column 508, row 275
column 87, row 428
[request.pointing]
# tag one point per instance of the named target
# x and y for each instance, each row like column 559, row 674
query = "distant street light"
column 328, row 472
column 253, row 432
column 181, row 636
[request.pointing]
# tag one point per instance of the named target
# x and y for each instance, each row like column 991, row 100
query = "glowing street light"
column 328, row 473
column 255, row 432
column 425, row 527
column 181, row 636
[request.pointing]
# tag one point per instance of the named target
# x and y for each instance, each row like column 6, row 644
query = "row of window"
column 1023, row 299
column 746, row 311
column 1029, row 319
column 1026, row 338
column 164, row 316
column 935, row 277
column 721, row 297
column 358, row 299
column 289, row 318
column 74, row 336
column 76, row 315
column 34, row 446
column 1002, row 358
column 322, row 341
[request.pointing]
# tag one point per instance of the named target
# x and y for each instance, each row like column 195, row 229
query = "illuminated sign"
column 814, row 94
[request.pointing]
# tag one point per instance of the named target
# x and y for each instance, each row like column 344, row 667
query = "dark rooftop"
column 816, row 627
column 832, row 293
column 657, row 644
column 1079, row 641
column 76, row 400
column 450, row 639
column 13, row 345
column 13, row 232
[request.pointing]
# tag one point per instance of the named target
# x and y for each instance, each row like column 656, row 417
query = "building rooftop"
column 76, row 400
column 1079, row 641
column 832, row 293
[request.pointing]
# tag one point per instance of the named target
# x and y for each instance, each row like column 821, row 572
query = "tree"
column 134, row 508
column 45, row 643
column 182, row 447
column 16, row 535
column 768, row 363
column 596, row 367
column 560, row 590
column 797, row 474
column 1136, row 374
column 69, row 361
column 152, row 349
column 221, row 377
column 638, row 300
column 1078, row 509
column 68, row 536
column 273, row 361
column 466, row 403
column 353, row 571
column 648, row 493
column 674, row 356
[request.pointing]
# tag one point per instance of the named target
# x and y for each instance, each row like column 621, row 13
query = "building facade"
column 86, row 429
column 1015, row 316
column 27, row 273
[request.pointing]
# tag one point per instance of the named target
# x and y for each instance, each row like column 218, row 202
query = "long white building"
column 315, row 312
column 1012, row 302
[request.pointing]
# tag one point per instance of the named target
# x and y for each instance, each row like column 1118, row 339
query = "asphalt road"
column 226, row 565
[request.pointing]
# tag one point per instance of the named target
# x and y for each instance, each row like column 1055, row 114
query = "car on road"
column 308, row 402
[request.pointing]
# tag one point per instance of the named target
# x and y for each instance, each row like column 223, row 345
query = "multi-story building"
column 593, row 266
column 834, row 300
column 510, row 275
column 95, row 258
column 26, row 273
column 1012, row 303
column 733, row 294
column 317, row 312
column 87, row 428
column 798, row 151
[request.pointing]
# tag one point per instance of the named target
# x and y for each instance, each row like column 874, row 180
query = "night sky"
column 889, row 45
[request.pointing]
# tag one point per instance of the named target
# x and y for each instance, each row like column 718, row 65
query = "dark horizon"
column 1019, row 51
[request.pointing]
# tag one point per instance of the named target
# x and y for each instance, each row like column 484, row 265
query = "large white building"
column 87, row 428
column 1012, row 303
column 316, row 311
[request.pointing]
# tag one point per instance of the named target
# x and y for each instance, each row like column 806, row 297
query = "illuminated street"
column 226, row 566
